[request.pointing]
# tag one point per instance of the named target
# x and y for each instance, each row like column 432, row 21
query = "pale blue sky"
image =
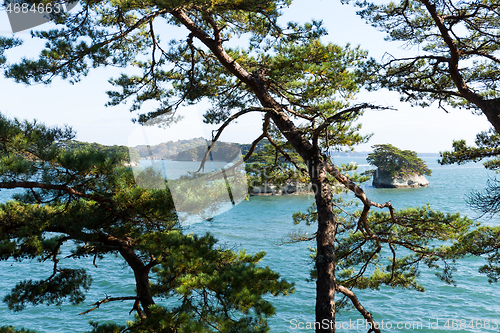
column 82, row 105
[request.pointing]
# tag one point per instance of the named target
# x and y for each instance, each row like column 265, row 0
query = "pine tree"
column 81, row 197
column 456, row 65
column 238, row 56
column 394, row 162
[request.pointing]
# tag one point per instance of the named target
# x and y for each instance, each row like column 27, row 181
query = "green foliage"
column 129, row 154
column 270, row 167
column 390, row 252
column 10, row 329
column 204, row 194
column 280, row 165
column 82, row 197
column 486, row 202
column 285, row 71
column 394, row 162
column 213, row 282
column 314, row 77
column 220, row 151
column 5, row 44
column 456, row 65
column 457, row 43
column 209, row 284
column 67, row 283
column 482, row 242
column 106, row 328
column 487, row 147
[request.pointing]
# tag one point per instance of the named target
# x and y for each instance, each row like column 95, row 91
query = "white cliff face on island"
column 382, row 181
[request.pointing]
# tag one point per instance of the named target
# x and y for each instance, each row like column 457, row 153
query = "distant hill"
column 194, row 150
column 189, row 150
column 168, row 150
column 433, row 155
column 365, row 154
column 351, row 154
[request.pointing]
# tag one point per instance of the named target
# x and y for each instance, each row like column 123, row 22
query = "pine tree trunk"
column 141, row 271
column 325, row 238
column 491, row 110
column 141, row 274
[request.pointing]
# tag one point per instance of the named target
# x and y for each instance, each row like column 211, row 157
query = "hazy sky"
column 82, row 105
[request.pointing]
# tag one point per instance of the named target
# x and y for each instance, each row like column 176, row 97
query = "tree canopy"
column 394, row 162
column 457, row 62
column 487, row 147
column 82, row 198
column 456, row 65
column 238, row 56
column 285, row 72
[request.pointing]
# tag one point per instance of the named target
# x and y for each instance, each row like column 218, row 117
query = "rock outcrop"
column 383, row 181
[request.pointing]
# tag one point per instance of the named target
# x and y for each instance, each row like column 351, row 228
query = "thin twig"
column 107, row 300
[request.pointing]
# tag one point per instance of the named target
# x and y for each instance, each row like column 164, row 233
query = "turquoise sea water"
column 259, row 224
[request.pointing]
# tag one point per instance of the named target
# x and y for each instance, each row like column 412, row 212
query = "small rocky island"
column 381, row 181
column 397, row 168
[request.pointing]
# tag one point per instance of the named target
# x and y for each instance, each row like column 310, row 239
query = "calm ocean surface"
column 259, row 224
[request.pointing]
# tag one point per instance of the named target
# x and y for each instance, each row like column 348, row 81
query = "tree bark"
column 141, row 275
column 141, row 271
column 491, row 110
column 325, row 242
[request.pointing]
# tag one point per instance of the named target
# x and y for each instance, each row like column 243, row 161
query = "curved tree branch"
column 357, row 304
column 223, row 126
column 107, row 300
column 264, row 134
column 454, row 53
column 285, row 154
